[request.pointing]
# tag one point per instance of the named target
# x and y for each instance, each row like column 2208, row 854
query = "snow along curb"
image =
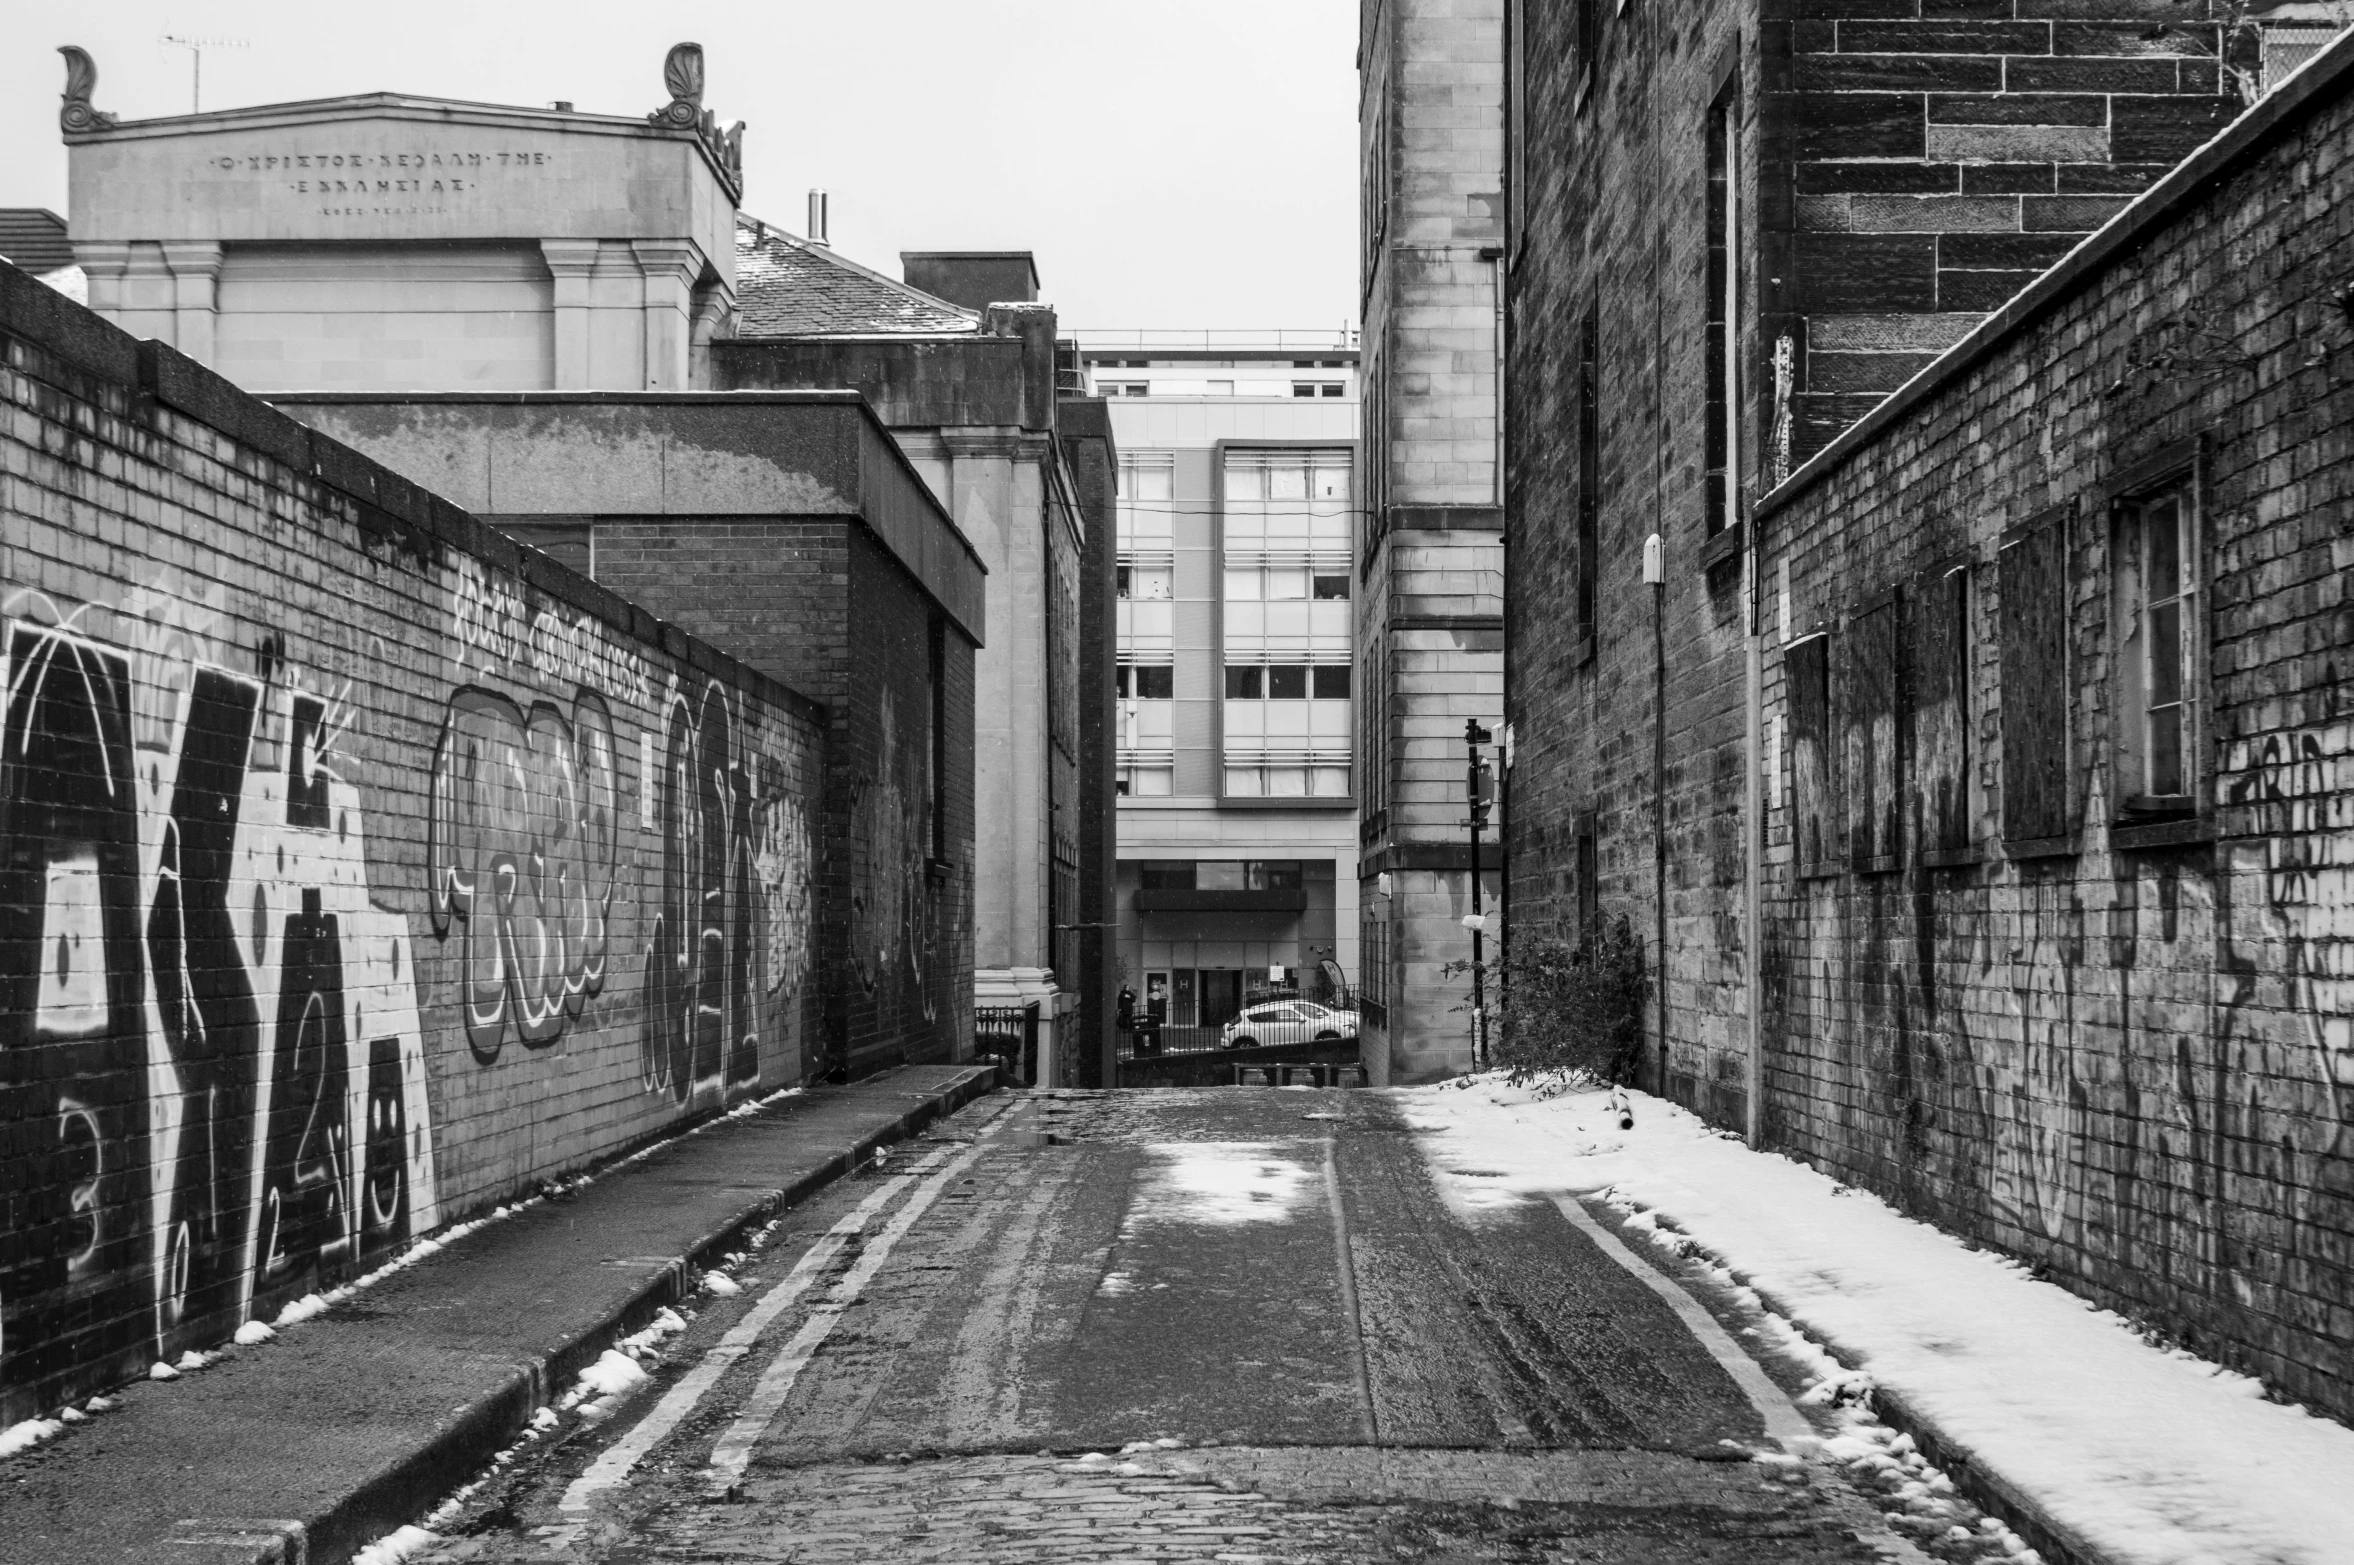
column 498, row 1415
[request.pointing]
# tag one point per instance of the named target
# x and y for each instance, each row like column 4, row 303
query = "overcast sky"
column 1172, row 163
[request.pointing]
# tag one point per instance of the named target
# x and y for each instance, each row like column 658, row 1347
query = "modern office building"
column 1237, row 719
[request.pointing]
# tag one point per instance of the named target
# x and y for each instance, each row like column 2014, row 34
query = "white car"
column 1279, row 1022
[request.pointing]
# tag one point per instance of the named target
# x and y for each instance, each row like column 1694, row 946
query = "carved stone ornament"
column 81, row 79
column 682, row 74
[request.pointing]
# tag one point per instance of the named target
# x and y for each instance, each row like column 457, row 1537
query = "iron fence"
column 1009, row 1032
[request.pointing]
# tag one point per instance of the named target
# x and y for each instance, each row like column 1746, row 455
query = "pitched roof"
column 789, row 287
column 34, row 238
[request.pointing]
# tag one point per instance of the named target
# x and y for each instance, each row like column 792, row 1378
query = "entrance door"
column 1221, row 995
column 1181, row 997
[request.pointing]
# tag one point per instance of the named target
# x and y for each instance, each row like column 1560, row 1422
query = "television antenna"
column 196, row 48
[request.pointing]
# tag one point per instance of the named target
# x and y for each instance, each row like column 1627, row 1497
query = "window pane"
column 1332, row 782
column 1123, row 582
column 1167, row 874
column 2166, row 751
column 2162, row 526
column 1332, row 684
column 1244, row 684
column 1287, row 782
column 1218, row 875
column 1244, row 586
column 1150, row 782
column 1287, row 583
column 1242, row 782
column 2166, row 654
column 1275, row 875
column 1331, row 587
column 1156, row 682
column 1287, row 682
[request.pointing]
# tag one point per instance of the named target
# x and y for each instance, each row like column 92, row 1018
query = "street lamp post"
column 1479, row 791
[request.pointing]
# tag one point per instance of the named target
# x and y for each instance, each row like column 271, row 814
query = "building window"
column 1867, row 713
column 1376, row 202
column 2161, row 647
column 1289, row 634
column 2033, row 583
column 1589, row 879
column 1724, row 313
column 1123, row 388
column 1515, row 125
column 1939, row 672
column 1589, row 458
column 1806, row 676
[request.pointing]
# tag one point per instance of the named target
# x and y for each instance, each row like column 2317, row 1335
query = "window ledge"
column 1827, row 869
column 2182, row 831
column 1724, row 546
column 1952, row 858
column 2042, row 847
column 939, row 869
column 1882, row 864
column 1582, row 652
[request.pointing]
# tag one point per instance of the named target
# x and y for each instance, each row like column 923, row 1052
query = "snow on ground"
column 2151, row 1456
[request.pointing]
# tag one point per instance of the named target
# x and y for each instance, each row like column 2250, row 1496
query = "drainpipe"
column 1655, row 574
column 1753, row 829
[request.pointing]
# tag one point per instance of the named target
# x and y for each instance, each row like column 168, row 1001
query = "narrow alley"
column 1178, row 1325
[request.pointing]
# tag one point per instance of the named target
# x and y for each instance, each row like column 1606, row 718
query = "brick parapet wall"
column 2130, row 1064
column 283, row 733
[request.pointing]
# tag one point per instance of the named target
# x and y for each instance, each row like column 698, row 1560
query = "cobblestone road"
column 1234, row 1325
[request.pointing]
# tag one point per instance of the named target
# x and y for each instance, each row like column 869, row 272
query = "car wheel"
column 1246, row 1042
column 1328, row 1037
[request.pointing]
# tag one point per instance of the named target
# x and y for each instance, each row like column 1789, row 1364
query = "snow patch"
column 394, row 1547
column 253, row 1334
column 1217, row 1184
column 2154, row 1456
column 30, row 1433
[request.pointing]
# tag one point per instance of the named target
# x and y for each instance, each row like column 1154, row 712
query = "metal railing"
column 1010, row 1032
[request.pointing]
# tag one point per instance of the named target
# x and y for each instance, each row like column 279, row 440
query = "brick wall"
column 2114, row 1040
column 361, row 866
column 1629, row 724
column 816, row 600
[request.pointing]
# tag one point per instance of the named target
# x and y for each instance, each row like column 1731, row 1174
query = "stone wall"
column 1923, row 162
column 1430, row 617
column 2018, row 992
column 364, row 870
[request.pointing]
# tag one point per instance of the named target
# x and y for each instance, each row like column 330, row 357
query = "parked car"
column 1280, row 1022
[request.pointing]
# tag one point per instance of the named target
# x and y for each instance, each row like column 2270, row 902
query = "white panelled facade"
column 1288, row 642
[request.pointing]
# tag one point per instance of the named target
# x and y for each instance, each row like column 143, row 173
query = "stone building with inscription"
column 541, row 313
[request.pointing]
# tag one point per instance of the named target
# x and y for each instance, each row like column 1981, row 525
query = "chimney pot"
column 817, row 219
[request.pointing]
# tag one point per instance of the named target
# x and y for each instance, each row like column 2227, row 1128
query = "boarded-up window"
column 1939, row 620
column 1870, row 737
column 2034, row 587
column 1806, row 671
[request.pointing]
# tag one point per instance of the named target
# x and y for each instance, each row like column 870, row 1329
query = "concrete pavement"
column 348, row 1425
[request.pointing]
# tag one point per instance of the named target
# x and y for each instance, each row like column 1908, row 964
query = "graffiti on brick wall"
column 521, row 854
column 730, row 900
column 210, row 1055
column 532, row 886
column 892, row 907
column 2299, row 788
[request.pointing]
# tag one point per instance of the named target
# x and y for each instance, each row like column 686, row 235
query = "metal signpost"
column 1479, row 790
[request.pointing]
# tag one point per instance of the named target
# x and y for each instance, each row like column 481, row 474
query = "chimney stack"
column 817, row 219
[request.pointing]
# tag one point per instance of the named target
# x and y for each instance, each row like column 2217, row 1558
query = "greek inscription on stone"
column 379, row 175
